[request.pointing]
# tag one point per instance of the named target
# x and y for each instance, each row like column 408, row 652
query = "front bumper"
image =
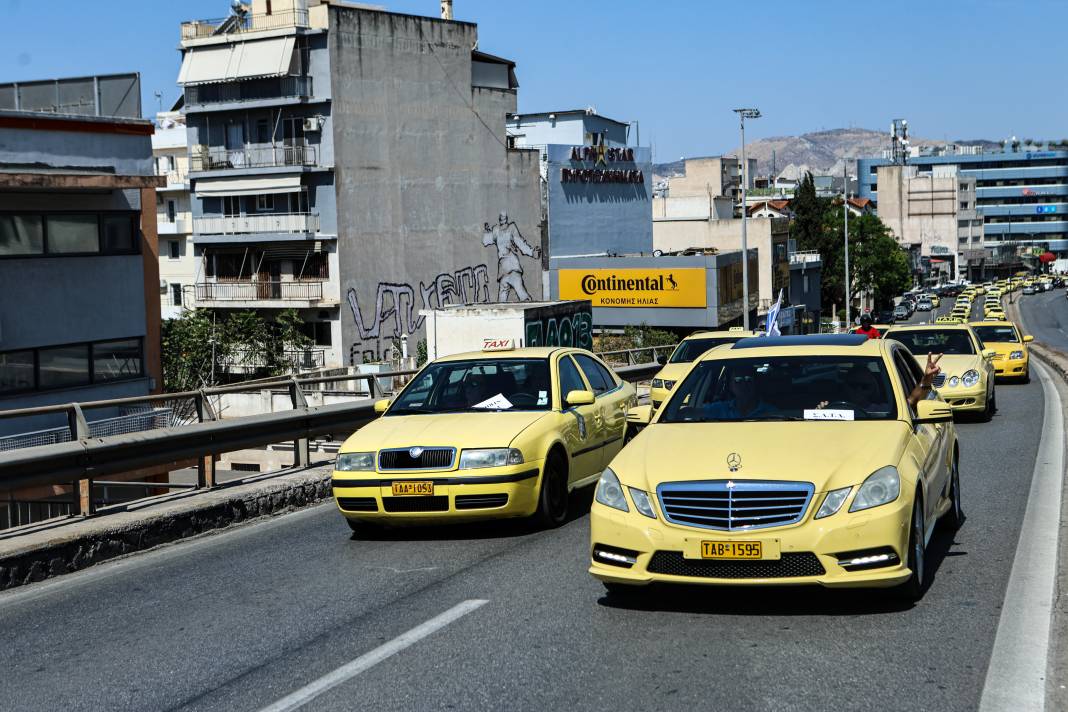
column 810, row 550
column 965, row 399
column 657, row 396
column 459, row 495
column 1011, row 368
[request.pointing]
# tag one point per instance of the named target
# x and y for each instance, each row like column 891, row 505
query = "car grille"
column 357, row 504
column 435, row 503
column 794, row 565
column 1000, row 357
column 734, row 505
column 430, row 458
column 939, row 380
column 480, row 501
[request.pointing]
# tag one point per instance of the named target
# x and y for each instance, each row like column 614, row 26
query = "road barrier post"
column 301, row 449
column 79, row 430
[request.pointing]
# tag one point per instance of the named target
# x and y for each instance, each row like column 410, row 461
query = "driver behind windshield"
column 744, row 401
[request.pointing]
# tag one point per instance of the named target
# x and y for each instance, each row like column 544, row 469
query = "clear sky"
column 954, row 68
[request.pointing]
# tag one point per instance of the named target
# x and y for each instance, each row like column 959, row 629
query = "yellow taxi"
column 785, row 460
column 486, row 434
column 688, row 349
column 960, row 313
column 947, row 319
column 1010, row 347
column 967, row 378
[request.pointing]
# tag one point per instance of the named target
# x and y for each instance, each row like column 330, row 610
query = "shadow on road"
column 781, row 600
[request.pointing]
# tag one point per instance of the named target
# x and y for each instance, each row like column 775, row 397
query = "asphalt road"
column 240, row 619
column 1046, row 317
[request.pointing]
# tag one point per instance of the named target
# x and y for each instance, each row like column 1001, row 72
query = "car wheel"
column 912, row 590
column 954, row 516
column 1027, row 376
column 988, row 412
column 552, row 499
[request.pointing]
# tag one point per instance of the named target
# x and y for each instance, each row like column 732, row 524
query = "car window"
column 600, row 380
column 476, row 385
column 997, row 334
column 908, row 373
column 690, row 349
column 570, row 380
column 939, row 341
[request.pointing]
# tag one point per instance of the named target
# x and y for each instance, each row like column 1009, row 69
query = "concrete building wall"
column 923, row 210
column 709, row 176
column 422, row 171
column 574, row 129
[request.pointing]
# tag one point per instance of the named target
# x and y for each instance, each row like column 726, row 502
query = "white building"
column 177, row 266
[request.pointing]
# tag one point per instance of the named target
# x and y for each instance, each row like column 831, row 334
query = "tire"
column 912, row 590
column 553, row 496
column 1027, row 376
column 954, row 516
column 988, row 412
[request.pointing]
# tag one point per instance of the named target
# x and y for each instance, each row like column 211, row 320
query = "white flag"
column 773, row 318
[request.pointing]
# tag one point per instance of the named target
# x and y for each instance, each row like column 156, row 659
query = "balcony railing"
column 196, row 29
column 213, row 159
column 259, row 291
column 249, row 90
column 268, row 222
column 175, row 178
column 804, row 257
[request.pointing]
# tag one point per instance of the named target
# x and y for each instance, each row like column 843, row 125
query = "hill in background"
column 822, row 152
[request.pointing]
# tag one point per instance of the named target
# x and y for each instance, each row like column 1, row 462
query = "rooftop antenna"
column 159, row 99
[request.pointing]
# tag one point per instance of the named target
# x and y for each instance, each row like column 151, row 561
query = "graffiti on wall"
column 571, row 330
column 510, row 246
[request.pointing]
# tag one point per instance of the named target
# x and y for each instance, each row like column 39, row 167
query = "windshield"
column 996, row 334
column 478, row 385
column 935, row 341
column 690, row 349
column 783, row 388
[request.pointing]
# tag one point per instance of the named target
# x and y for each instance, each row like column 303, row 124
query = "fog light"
column 615, row 556
column 868, row 559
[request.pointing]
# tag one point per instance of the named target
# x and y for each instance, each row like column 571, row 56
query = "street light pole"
column 845, row 207
column 744, row 114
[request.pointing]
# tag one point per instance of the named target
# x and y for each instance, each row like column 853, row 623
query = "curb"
column 75, row 545
column 1055, row 359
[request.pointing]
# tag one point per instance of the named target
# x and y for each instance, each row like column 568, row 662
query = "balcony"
column 247, row 224
column 249, row 90
column 259, row 291
column 214, row 159
column 176, row 179
column 178, row 226
column 234, row 24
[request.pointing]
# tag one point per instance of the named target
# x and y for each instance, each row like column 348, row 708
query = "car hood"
column 673, row 371
column 458, row 430
column 1004, row 348
column 827, row 454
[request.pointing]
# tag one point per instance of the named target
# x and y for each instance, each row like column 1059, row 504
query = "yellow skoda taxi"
column 689, row 349
column 967, row 379
column 783, row 460
column 1010, row 348
column 485, row 435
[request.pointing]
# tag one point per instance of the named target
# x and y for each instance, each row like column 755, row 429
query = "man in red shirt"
column 866, row 328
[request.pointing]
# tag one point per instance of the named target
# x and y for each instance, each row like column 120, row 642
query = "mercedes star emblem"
column 734, row 461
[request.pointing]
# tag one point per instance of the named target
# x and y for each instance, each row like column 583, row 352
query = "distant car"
column 1058, row 282
column 1029, row 289
column 901, row 312
column 924, row 305
column 885, row 316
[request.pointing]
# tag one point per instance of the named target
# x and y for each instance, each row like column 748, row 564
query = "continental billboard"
column 637, row 287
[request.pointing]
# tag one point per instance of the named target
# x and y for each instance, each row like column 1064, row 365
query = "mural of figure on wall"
column 510, row 245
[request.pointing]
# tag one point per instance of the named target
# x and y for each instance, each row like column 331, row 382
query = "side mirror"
column 988, row 353
column 1028, row 339
column 933, row 411
column 661, row 359
column 640, row 414
column 381, row 405
column 580, row 398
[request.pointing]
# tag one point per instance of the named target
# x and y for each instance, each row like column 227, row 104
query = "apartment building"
column 178, row 269
column 352, row 164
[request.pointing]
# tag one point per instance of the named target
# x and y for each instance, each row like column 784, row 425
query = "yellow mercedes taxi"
column 947, row 319
column 783, row 460
column 488, row 434
column 689, row 349
column 967, row 379
column 1010, row 347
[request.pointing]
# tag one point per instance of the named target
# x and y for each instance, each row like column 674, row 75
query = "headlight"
column 609, row 492
column 1016, row 354
column 355, row 462
column 657, row 383
column 881, row 487
column 833, row 502
column 490, row 457
column 952, row 383
column 641, row 502
column 669, row 384
column 970, row 378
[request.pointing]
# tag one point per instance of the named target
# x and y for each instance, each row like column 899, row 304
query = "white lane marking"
column 1016, row 678
column 140, row 559
column 350, row 670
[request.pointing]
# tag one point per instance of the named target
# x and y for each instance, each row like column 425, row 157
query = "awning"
column 212, row 187
column 238, row 60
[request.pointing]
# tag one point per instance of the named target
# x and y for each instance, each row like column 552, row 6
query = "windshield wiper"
column 768, row 417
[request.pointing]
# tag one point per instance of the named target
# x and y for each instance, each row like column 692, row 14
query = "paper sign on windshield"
column 828, row 414
column 498, row 402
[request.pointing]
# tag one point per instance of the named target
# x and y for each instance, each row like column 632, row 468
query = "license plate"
column 401, row 489
column 732, row 550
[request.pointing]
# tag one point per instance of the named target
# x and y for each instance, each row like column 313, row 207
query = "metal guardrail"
column 87, row 458
column 630, row 357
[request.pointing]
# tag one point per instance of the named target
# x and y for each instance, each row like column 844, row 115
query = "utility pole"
column 845, row 207
column 744, row 114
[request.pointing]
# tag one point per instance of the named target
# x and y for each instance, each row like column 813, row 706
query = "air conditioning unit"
column 313, row 123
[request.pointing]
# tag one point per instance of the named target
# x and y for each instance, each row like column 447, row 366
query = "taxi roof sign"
column 489, row 344
column 736, row 328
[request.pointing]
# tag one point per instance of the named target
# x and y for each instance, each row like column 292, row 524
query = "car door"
column 612, row 403
column 929, row 438
column 577, row 428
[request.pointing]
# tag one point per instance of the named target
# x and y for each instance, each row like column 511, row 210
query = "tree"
column 186, row 351
column 877, row 264
column 808, row 210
